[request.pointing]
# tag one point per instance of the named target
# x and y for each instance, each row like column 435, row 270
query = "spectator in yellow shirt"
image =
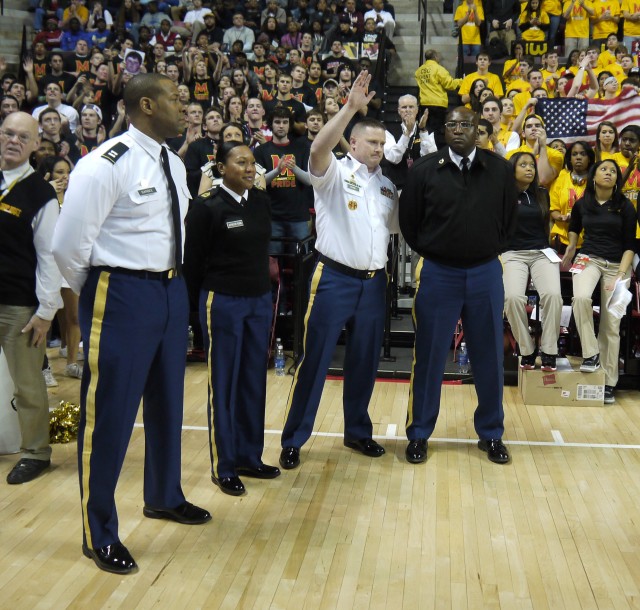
column 577, row 14
column 631, row 14
column 511, row 70
column 605, row 21
column 553, row 8
column 483, row 61
column 469, row 17
column 534, row 137
column 534, row 22
column 566, row 190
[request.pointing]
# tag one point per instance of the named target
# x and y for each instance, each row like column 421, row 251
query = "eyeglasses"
column 453, row 125
column 24, row 138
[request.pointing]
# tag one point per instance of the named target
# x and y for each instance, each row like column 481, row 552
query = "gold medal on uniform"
column 352, row 205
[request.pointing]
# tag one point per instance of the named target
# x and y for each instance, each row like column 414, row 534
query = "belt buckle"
column 171, row 274
column 370, row 274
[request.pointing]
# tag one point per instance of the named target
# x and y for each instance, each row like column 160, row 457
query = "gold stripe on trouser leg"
column 212, row 435
column 315, row 280
column 415, row 326
column 99, row 306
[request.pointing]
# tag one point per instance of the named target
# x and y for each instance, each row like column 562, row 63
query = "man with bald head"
column 29, row 286
column 457, row 210
column 121, row 250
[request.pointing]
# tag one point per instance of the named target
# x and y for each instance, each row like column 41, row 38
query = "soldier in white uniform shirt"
column 356, row 210
column 119, row 245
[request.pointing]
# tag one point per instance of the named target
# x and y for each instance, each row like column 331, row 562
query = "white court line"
column 557, row 437
column 459, row 441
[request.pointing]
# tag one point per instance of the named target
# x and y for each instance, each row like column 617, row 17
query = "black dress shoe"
column 495, row 449
column 264, row 471
column 289, row 458
column 186, row 513
column 366, row 446
column 230, row 485
column 416, row 451
column 113, row 558
column 26, row 470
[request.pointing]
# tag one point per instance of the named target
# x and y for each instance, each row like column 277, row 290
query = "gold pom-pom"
column 63, row 423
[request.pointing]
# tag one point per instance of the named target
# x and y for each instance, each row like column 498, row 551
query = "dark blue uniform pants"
column 236, row 338
column 135, row 340
column 338, row 301
column 444, row 295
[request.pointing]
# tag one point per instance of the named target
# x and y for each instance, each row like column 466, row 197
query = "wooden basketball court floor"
column 559, row 527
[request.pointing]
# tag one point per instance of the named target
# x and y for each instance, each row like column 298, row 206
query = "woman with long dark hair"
column 609, row 223
column 226, row 265
column 525, row 256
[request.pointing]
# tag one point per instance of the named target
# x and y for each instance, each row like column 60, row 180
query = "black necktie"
column 465, row 167
column 175, row 209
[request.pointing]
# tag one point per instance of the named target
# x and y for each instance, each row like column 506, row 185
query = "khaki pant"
column 25, row 367
column 608, row 342
column 517, row 264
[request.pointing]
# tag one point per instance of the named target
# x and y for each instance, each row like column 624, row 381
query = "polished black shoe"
column 26, row 470
column 590, row 365
column 548, row 362
column 528, row 363
column 495, row 449
column 230, row 485
column 289, row 458
column 416, row 451
column 366, row 446
column 113, row 558
column 186, row 513
column 264, row 471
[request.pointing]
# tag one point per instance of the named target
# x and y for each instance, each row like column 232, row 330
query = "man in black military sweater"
column 457, row 210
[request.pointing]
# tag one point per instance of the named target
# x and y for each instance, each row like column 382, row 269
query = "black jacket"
column 455, row 223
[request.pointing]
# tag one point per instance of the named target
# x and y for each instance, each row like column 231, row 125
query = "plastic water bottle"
column 190, row 340
column 463, row 359
column 279, row 360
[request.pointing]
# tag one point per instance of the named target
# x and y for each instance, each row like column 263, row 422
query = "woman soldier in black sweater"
column 609, row 223
column 226, row 265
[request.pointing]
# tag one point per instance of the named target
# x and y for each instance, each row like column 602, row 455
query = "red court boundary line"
column 392, row 380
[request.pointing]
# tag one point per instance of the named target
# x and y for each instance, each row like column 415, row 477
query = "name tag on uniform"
column 352, row 186
column 148, row 191
column 234, row 224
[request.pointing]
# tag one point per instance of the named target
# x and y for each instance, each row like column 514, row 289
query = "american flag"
column 572, row 119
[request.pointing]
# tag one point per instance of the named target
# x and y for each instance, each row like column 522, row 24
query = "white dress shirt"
column 355, row 213
column 48, row 278
column 394, row 151
column 119, row 214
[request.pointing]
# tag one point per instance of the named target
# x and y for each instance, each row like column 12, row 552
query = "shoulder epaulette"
column 115, row 152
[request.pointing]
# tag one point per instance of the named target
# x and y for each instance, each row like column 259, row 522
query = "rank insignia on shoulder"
column 115, row 152
column 386, row 192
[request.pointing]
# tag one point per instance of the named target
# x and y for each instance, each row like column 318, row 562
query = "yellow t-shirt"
column 632, row 185
column 563, row 194
column 605, row 59
column 552, row 7
column 631, row 28
column 577, row 25
column 550, row 85
column 603, row 28
column 470, row 31
column 492, row 80
column 515, row 74
column 534, row 33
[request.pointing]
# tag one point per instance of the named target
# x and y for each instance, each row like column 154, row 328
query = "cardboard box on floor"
column 565, row 387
